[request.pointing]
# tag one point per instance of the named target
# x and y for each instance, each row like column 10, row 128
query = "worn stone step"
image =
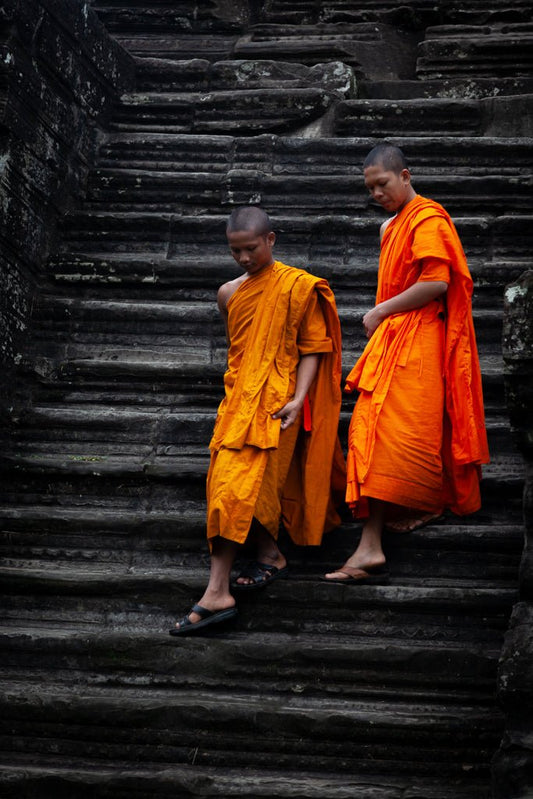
column 423, row 116
column 200, row 75
column 163, row 528
column 453, row 672
column 462, row 50
column 210, row 45
column 307, row 591
column 415, row 12
column 157, row 528
column 292, row 154
column 355, row 44
column 165, row 427
column 346, row 243
column 434, row 739
column 247, row 111
column 472, row 637
column 187, row 331
column 473, row 87
column 187, row 278
column 164, row 461
column 92, row 779
column 144, row 190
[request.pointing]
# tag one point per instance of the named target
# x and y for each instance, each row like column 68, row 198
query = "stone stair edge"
column 153, row 697
column 470, row 684
column 124, row 580
column 220, row 782
column 472, row 533
column 306, row 221
column 294, row 141
column 92, row 640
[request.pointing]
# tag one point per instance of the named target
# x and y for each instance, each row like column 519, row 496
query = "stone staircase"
column 382, row 692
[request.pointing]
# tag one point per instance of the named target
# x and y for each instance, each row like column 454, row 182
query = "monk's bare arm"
column 415, row 296
column 307, row 369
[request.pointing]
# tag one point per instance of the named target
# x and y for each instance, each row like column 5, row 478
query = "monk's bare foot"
column 411, row 523
column 349, row 573
column 364, row 559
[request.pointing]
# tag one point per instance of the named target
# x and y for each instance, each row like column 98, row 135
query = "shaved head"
column 249, row 218
column 388, row 156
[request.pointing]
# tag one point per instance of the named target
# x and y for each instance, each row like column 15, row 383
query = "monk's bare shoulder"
column 227, row 290
column 384, row 226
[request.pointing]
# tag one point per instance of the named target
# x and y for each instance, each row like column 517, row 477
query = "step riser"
column 167, row 732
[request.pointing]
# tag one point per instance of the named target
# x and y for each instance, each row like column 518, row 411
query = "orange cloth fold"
column 274, row 318
column 417, row 435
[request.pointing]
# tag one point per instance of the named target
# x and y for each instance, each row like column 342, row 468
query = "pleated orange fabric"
column 257, row 470
column 417, row 436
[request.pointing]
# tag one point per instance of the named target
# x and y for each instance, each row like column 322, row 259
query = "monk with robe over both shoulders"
column 275, row 453
column 417, row 436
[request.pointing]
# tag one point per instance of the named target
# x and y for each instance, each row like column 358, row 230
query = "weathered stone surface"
column 60, row 70
column 478, row 51
column 513, row 771
column 102, row 493
column 491, row 116
column 360, row 46
column 248, row 97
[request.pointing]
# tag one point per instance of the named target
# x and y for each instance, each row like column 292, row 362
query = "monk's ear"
column 405, row 176
column 271, row 238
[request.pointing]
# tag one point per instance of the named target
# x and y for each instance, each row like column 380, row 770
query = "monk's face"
column 251, row 250
column 392, row 190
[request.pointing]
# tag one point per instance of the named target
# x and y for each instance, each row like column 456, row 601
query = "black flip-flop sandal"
column 261, row 574
column 208, row 618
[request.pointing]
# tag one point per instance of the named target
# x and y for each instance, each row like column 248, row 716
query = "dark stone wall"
column 513, row 767
column 59, row 74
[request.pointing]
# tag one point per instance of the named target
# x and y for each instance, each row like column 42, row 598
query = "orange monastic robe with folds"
column 257, row 470
column 417, row 435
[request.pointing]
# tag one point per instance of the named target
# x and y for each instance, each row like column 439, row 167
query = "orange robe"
column 257, row 470
column 417, row 435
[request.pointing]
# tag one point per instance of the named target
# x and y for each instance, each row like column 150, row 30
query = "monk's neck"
column 262, row 272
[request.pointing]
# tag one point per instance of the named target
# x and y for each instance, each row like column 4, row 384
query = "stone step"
column 130, row 479
column 249, row 111
column 130, row 597
column 200, row 75
column 169, row 423
column 121, row 370
column 209, row 45
column 355, row 44
column 431, row 116
column 22, row 773
column 156, row 15
column 464, row 155
column 473, row 87
column 186, row 277
column 141, row 189
column 435, row 671
column 185, row 331
column 143, row 377
column 460, row 50
column 439, row 740
column 36, row 539
column 150, row 250
column 416, row 13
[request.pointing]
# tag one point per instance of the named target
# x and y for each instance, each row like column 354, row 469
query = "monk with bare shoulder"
column 280, row 410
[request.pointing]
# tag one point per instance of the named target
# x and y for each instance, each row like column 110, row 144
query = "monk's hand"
column 288, row 414
column 372, row 320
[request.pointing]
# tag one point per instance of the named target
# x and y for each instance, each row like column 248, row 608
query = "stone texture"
column 60, row 71
column 513, row 772
column 316, row 690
